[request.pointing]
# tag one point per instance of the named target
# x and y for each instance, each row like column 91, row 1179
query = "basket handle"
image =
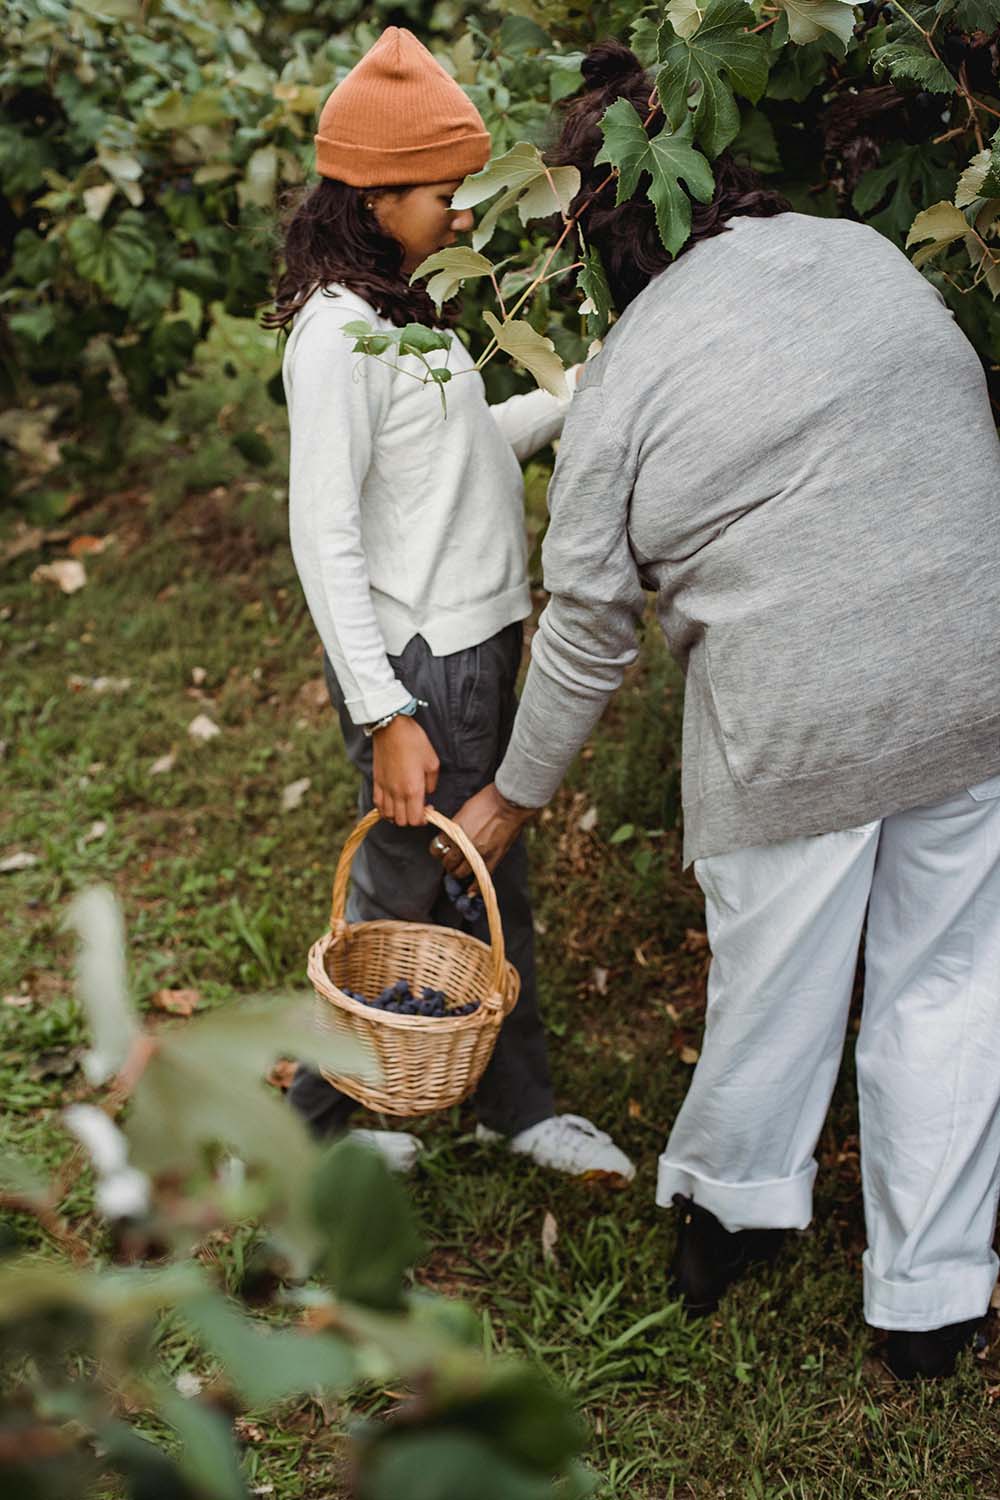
column 354, row 841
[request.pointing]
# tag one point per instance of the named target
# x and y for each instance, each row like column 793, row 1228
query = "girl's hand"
column 405, row 771
column 491, row 822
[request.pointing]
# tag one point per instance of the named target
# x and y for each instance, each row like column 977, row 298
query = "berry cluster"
column 400, row 1000
column 469, row 907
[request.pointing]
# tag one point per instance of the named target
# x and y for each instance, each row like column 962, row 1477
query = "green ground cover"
column 193, row 609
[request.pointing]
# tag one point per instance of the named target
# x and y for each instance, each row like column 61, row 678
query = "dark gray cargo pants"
column 471, row 701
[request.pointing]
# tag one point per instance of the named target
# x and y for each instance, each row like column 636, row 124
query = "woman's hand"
column 405, row 771
column 492, row 824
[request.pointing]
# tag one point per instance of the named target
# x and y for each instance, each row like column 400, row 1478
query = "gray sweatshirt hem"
column 771, row 813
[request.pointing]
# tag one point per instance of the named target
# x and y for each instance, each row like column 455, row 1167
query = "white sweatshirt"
column 403, row 521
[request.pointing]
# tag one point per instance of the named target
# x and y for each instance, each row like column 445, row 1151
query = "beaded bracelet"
column 409, row 709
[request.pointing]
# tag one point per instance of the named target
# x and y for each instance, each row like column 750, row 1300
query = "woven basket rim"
column 324, row 986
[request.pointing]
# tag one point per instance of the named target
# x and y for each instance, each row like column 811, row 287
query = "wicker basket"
column 424, row 1063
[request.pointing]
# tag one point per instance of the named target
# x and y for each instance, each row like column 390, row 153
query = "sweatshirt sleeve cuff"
column 377, row 704
column 526, row 782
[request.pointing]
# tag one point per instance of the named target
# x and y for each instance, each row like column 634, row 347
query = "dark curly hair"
column 331, row 235
column 627, row 236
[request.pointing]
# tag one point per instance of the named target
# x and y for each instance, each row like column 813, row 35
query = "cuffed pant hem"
column 934, row 1302
column 781, row 1203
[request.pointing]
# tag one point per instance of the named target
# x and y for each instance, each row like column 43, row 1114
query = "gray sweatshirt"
column 787, row 438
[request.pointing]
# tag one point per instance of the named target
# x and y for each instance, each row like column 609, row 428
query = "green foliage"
column 82, row 1344
column 721, row 58
column 144, row 151
column 523, row 182
column 666, row 159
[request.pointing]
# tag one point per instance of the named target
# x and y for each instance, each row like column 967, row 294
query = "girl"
column 407, row 533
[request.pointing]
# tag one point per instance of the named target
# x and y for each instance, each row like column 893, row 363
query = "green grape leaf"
column 207, row 1454
column 428, row 1465
column 35, row 323
column 977, row 15
column 908, row 64
column 532, row 350
column 523, row 180
column 720, row 59
column 991, row 181
column 668, row 158
column 970, row 184
column 415, row 338
column 362, row 1216
column 757, row 142
column 797, row 71
column 448, row 269
column 685, row 16
column 914, row 175
column 808, row 20
column 265, row 1364
column 116, row 257
column 598, row 303
column 941, row 224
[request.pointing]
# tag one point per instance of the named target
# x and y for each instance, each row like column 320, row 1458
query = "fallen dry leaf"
column 163, row 765
column 313, row 695
column 21, row 860
column 634, row 1109
column 672, row 1011
column 177, row 1002
column 293, row 794
column 641, row 958
column 26, row 539
column 67, row 572
column 20, row 1002
column 87, row 546
column 550, row 1233
column 198, row 675
column 116, row 685
column 202, row 728
column 600, row 978
column 96, row 831
column 588, row 822
column 689, row 1055
column 281, row 1075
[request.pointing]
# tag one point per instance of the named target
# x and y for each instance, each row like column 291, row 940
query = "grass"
column 196, row 604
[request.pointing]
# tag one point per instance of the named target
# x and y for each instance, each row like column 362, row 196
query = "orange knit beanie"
column 398, row 119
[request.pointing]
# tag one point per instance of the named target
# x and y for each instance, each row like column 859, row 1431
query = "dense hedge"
column 144, row 144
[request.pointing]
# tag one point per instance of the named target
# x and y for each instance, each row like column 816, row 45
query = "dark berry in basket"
column 399, row 1000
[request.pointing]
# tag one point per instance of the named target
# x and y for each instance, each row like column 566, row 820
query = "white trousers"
column 784, row 923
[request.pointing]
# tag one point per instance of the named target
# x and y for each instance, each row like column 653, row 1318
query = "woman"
column 408, row 536
column 788, row 439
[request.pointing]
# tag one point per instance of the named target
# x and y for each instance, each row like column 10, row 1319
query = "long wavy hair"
column 331, row 235
column 627, row 236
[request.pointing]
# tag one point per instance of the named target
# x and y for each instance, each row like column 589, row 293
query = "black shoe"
column 931, row 1353
column 709, row 1258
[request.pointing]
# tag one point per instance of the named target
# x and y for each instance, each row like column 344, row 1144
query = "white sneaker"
column 397, row 1148
column 569, row 1143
